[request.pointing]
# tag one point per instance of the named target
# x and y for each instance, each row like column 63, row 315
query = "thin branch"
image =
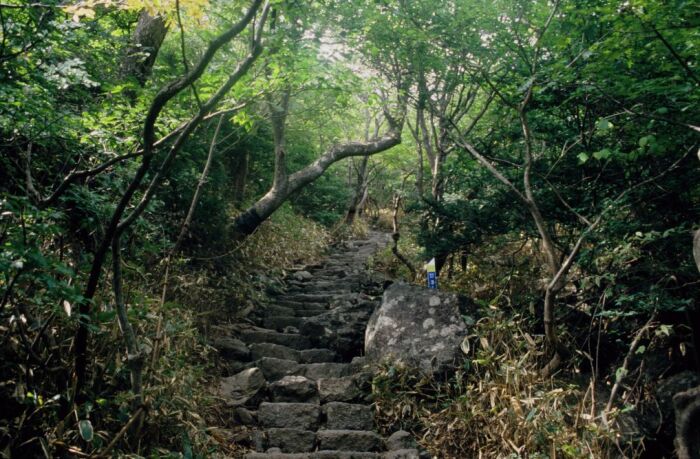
column 672, row 50
column 77, row 175
column 31, row 190
column 184, row 52
column 622, row 371
column 114, row 227
column 198, row 191
column 580, row 217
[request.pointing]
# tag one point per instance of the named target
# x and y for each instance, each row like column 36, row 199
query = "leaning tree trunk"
column 284, row 185
column 118, row 222
column 144, row 46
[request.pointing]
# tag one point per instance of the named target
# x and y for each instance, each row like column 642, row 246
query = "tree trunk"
column 696, row 248
column 284, row 185
column 395, row 236
column 118, row 223
column 144, row 46
column 358, row 192
column 240, row 177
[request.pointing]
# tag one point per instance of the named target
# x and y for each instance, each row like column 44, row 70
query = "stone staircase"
column 303, row 390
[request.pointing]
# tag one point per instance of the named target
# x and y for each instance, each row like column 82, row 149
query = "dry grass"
column 496, row 405
column 185, row 416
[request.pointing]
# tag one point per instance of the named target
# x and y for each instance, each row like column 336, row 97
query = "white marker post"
column 432, row 274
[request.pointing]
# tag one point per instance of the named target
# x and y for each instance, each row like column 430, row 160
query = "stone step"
column 348, row 416
column 277, row 351
column 318, row 371
column 297, row 306
column 327, row 280
column 349, row 440
column 290, row 440
column 402, row 454
column 305, row 313
column 316, row 455
column 320, row 355
column 274, row 369
column 261, row 335
column 232, row 348
column 345, row 455
column 303, row 416
column 325, row 297
column 278, row 310
column 296, row 389
column 279, row 323
column 344, row 389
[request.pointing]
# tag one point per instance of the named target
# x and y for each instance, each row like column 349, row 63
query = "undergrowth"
column 180, row 415
column 495, row 405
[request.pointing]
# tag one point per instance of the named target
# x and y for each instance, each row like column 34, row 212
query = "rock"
column 232, row 348
column 359, row 364
column 302, row 276
column 317, row 356
column 687, row 409
column 318, row 371
column 664, row 397
column 303, row 416
column 400, row 440
column 349, row 440
column 259, row 440
column 275, row 369
column 416, row 327
column 291, row 440
column 231, row 367
column 339, row 390
column 341, row 328
column 348, row 416
column 282, row 323
column 408, row 453
column 245, row 416
column 263, row 335
column 294, row 389
column 260, row 350
column 344, row 455
column 242, row 387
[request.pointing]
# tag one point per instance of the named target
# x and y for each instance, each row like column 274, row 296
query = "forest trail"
column 308, row 386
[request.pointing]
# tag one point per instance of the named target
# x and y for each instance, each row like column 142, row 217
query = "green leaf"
column 531, row 415
column 647, row 140
column 641, row 349
column 602, row 154
column 603, row 125
column 620, row 373
column 583, row 157
column 86, row 430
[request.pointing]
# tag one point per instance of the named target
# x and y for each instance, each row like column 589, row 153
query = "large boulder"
column 417, row 327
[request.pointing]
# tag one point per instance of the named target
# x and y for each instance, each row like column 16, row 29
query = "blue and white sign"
column 432, row 274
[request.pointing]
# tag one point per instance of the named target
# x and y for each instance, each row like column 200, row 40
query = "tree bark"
column 117, row 225
column 358, row 192
column 144, row 46
column 240, row 177
column 696, row 248
column 284, row 185
column 395, row 236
